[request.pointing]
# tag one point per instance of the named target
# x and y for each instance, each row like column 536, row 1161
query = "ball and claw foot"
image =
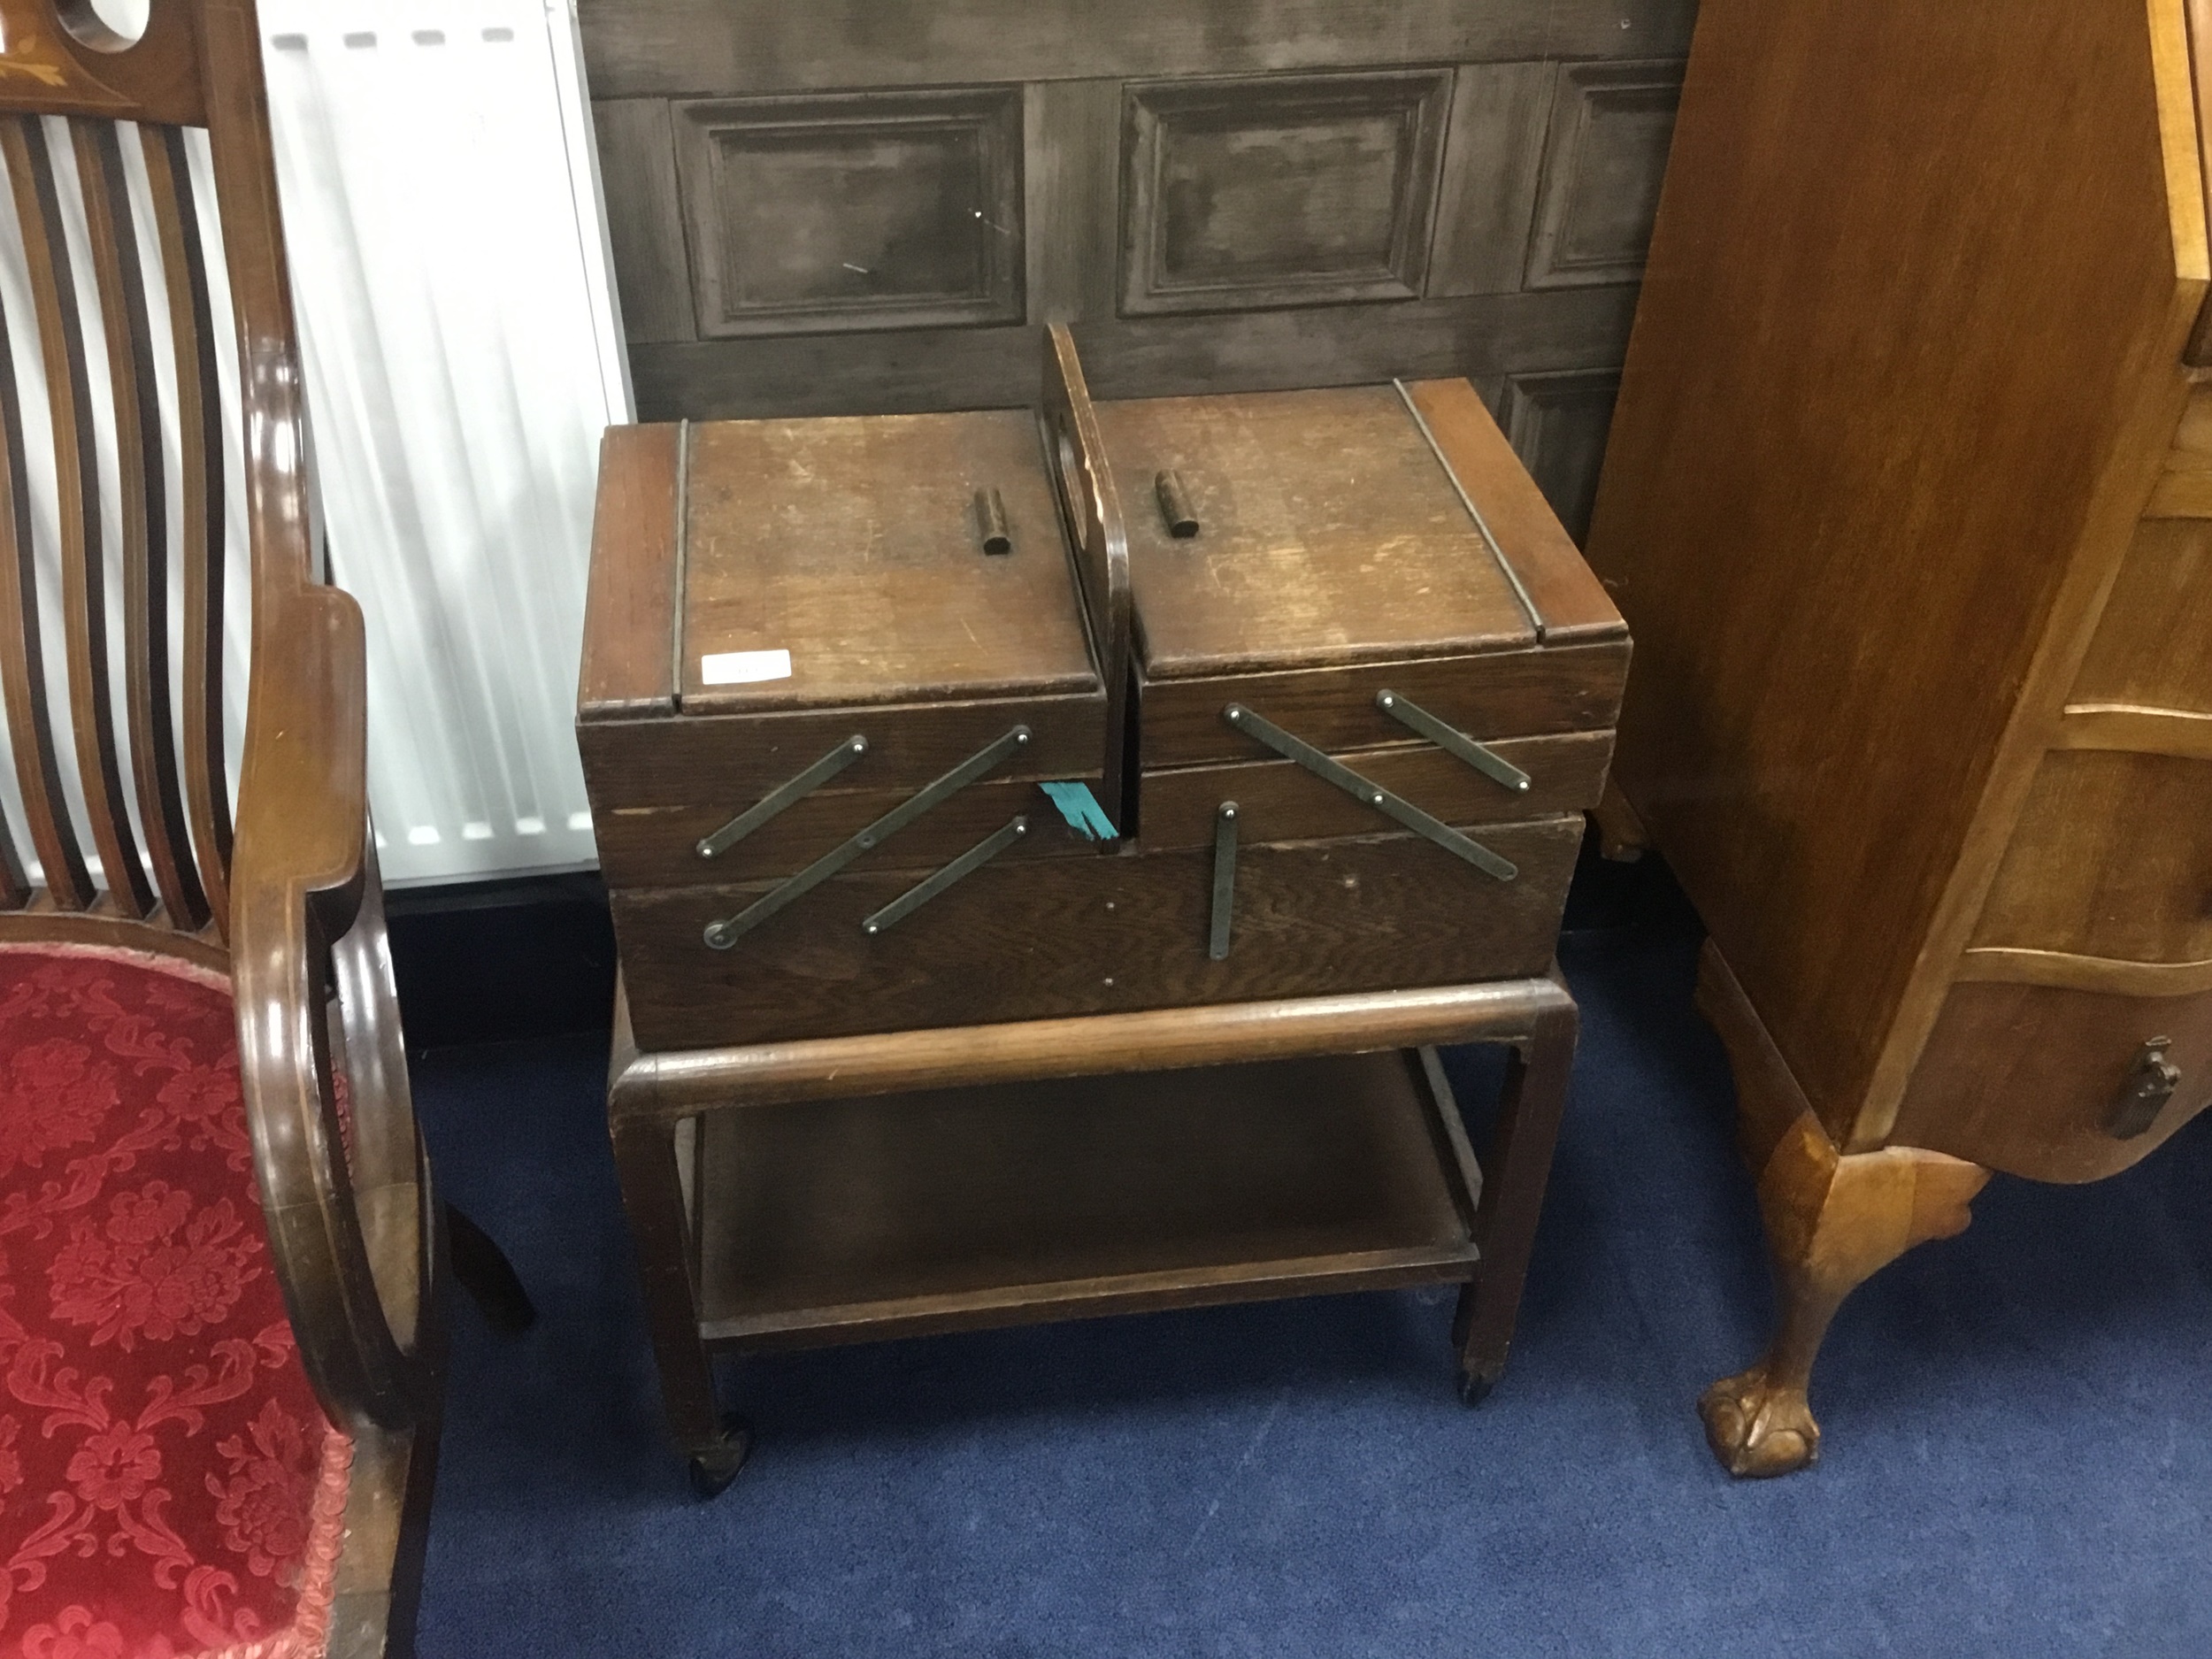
column 1759, row 1428
column 711, row 1472
column 1474, row 1388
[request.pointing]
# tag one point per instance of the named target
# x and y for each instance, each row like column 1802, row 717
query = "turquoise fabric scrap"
column 1082, row 810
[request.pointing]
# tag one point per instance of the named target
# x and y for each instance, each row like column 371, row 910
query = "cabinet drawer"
column 2028, row 1079
column 2153, row 647
column 2112, row 858
column 1065, row 936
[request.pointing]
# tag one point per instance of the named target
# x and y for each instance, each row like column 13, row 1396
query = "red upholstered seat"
column 169, row 1485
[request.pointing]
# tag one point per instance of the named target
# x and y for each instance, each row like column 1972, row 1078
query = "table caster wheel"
column 711, row 1472
column 1473, row 1390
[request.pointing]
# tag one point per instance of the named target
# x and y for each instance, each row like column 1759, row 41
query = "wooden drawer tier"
column 2081, row 875
column 658, row 846
column 1063, row 936
column 2029, row 1078
column 2152, row 647
column 903, row 1214
column 730, row 762
column 1279, row 800
column 1535, row 692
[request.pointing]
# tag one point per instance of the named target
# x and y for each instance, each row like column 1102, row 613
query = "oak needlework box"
column 909, row 721
column 1046, row 846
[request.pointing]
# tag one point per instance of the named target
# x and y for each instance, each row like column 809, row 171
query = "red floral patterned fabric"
column 169, row 1487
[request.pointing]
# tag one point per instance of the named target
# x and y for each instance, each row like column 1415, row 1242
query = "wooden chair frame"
column 289, row 906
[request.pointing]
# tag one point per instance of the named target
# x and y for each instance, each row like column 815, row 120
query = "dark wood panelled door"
column 871, row 205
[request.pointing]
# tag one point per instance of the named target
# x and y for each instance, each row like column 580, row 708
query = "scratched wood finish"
column 1067, row 936
column 629, row 654
column 658, row 847
column 1216, row 1180
column 1335, row 559
column 1504, row 484
column 1328, row 533
column 710, row 759
column 854, row 544
column 1911, row 716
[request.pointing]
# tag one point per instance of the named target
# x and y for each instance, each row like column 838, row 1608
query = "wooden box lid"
column 836, row 561
column 746, row 566
column 1333, row 529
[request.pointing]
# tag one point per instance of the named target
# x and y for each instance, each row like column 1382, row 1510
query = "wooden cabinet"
column 1907, row 504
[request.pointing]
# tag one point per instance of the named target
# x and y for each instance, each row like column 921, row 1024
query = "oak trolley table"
column 1041, row 895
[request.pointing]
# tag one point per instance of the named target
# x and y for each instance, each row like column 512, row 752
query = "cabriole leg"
column 1832, row 1221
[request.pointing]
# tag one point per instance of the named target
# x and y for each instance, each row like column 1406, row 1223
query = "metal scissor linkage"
column 1368, row 793
column 1225, row 878
column 782, row 796
column 1453, row 742
column 913, row 900
column 721, row 935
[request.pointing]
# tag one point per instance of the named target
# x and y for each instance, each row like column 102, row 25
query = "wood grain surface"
column 1569, row 598
column 1156, row 356
column 1027, row 1200
column 852, row 544
column 657, row 846
column 708, row 760
column 2082, row 876
column 1063, row 936
column 664, row 1088
column 1279, row 800
column 1859, row 542
column 1489, row 695
column 1328, row 533
column 630, row 605
column 2030, row 1076
column 2152, row 646
column 634, row 47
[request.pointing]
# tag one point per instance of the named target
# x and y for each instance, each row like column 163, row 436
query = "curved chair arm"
column 354, row 1240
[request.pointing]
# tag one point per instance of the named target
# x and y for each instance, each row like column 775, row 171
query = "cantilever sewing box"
column 913, row 729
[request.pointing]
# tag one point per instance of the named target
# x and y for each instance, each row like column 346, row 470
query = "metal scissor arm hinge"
column 1367, row 793
column 721, row 935
column 784, row 794
column 913, row 900
column 1453, row 742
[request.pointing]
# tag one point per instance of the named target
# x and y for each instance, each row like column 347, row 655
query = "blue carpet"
column 2018, row 1427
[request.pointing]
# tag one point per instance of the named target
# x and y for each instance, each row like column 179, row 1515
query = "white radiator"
column 462, row 353
column 449, row 261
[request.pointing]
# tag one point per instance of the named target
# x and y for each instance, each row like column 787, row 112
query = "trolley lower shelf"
column 824, row 1222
